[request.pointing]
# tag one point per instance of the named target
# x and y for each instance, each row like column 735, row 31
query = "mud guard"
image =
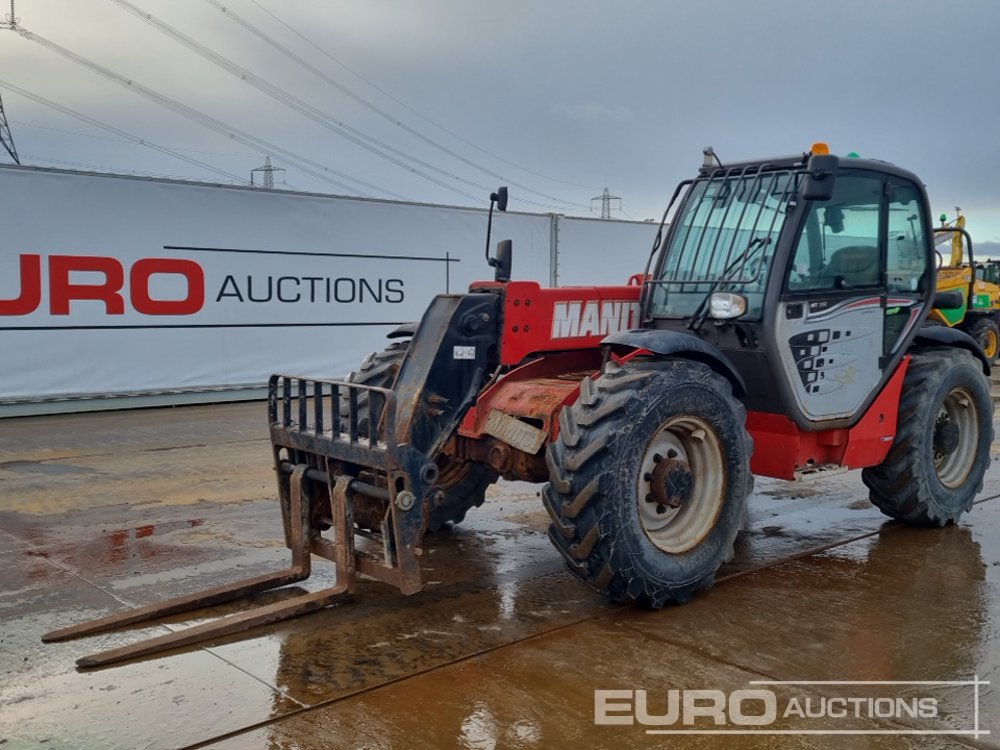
column 681, row 345
column 951, row 337
column 404, row 331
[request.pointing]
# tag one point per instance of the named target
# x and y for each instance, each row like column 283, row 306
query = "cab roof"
column 800, row 162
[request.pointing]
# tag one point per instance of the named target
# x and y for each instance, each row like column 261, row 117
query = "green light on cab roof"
column 943, row 218
column 853, row 155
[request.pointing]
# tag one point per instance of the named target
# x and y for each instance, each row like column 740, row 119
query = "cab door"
column 851, row 293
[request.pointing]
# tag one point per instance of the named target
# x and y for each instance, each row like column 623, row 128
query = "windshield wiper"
column 727, row 275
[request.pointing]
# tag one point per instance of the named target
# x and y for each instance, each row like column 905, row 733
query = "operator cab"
column 988, row 272
column 810, row 273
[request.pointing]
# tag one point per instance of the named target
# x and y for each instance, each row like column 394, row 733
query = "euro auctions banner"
column 118, row 285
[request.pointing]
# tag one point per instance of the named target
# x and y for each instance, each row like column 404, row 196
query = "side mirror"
column 503, row 260
column 950, row 300
column 820, row 177
column 500, row 198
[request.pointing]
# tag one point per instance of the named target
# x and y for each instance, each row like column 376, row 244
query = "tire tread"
column 900, row 486
column 580, row 493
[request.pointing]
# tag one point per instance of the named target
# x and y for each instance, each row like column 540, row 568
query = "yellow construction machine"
column 979, row 315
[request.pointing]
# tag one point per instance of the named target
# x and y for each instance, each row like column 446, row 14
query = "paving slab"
column 106, row 511
column 44, row 702
column 897, row 606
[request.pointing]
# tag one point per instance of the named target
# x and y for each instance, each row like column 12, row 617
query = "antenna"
column 6, row 139
column 268, row 171
column 605, row 198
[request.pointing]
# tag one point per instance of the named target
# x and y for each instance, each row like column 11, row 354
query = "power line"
column 301, row 163
column 77, row 133
column 95, row 137
column 410, row 109
column 321, row 118
column 112, row 170
column 364, row 102
column 127, row 137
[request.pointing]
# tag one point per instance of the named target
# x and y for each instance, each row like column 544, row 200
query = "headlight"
column 726, row 305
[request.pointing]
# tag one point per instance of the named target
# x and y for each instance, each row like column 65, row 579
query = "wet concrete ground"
column 503, row 649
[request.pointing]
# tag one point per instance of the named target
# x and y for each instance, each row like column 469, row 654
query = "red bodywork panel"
column 535, row 391
column 546, row 320
column 780, row 448
column 538, row 390
column 565, row 327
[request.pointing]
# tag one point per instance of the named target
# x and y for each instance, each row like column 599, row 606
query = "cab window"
column 905, row 255
column 838, row 247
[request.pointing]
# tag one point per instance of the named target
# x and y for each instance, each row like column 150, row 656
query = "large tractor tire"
column 935, row 467
column 649, row 479
column 464, row 482
column 987, row 334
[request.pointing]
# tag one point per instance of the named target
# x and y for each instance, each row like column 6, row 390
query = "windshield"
column 723, row 239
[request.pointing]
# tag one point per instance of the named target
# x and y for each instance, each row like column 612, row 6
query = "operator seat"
column 857, row 265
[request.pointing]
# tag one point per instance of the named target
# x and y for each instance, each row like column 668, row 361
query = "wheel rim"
column 955, row 438
column 681, row 488
column 990, row 344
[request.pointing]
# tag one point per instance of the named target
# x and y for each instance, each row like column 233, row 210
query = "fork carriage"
column 327, row 462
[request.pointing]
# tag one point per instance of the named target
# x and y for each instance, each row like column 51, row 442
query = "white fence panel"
column 122, row 285
column 115, row 285
column 593, row 252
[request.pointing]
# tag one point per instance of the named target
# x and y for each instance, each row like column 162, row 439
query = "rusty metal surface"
column 501, row 649
column 316, row 425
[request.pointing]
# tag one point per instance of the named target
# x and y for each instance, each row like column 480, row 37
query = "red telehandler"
column 778, row 330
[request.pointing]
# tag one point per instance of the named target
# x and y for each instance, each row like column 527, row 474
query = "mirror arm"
column 499, row 199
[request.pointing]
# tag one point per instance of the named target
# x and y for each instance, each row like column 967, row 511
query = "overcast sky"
column 559, row 98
